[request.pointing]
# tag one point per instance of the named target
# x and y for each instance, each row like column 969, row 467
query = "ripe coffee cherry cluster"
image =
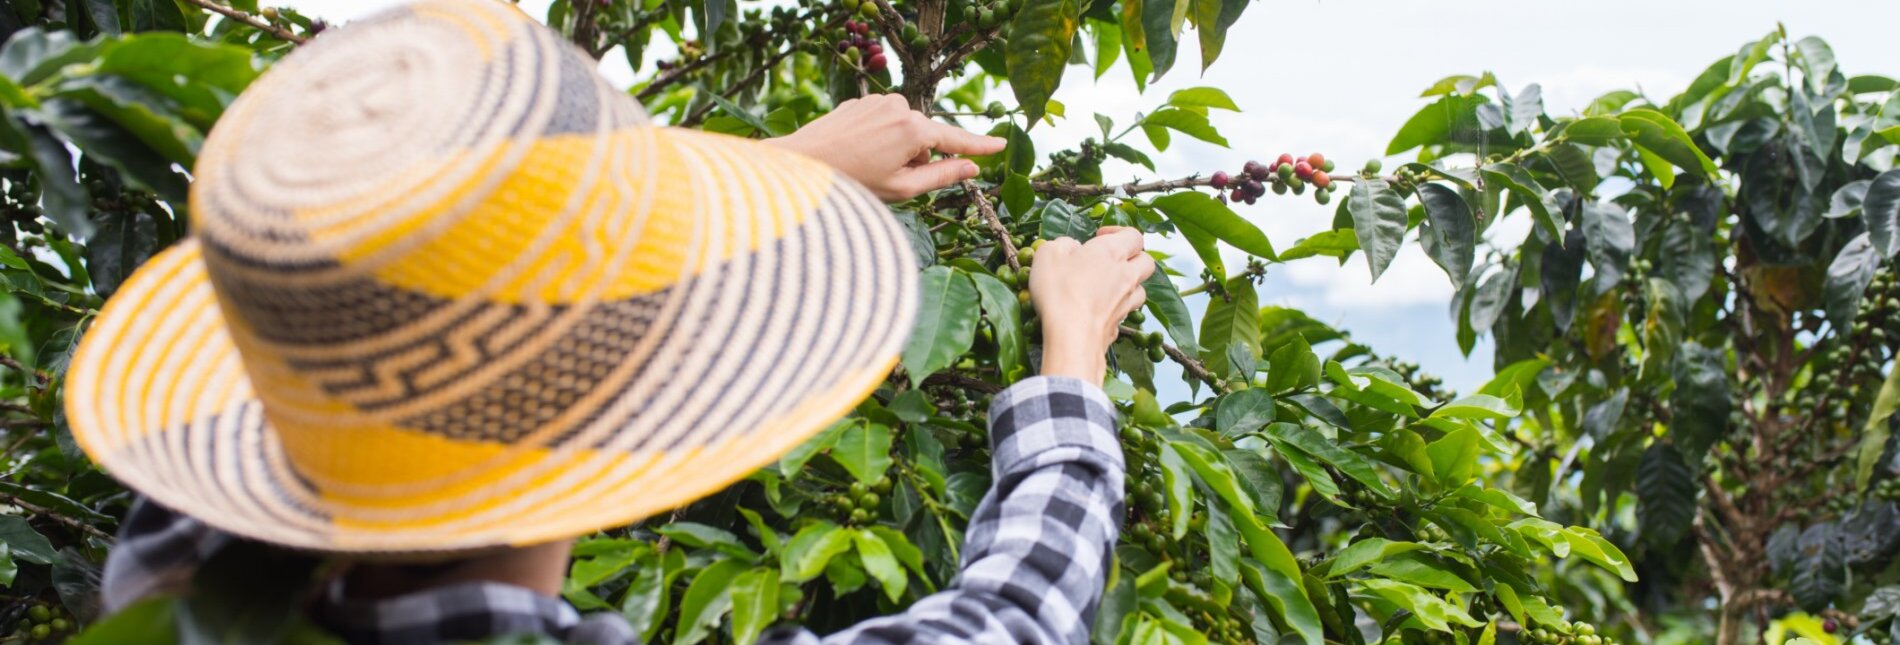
column 857, row 45
column 1284, row 174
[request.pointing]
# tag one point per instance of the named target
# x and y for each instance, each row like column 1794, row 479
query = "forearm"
column 1037, row 551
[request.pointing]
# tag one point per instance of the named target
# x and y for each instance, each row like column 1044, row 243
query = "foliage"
column 1308, row 489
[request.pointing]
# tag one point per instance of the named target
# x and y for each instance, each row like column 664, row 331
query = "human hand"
column 881, row 142
column 1082, row 292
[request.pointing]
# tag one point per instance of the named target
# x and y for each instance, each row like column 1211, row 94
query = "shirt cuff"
column 1043, row 413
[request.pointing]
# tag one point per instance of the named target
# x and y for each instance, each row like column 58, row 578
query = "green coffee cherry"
column 995, row 110
column 1373, row 166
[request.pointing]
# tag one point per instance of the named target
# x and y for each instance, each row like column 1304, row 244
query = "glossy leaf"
column 707, row 600
column 1230, row 323
column 1609, row 238
column 1349, row 463
column 1435, row 122
column 1660, row 135
column 1450, row 233
column 1202, row 212
column 1004, row 312
column 1666, row 496
column 1847, row 279
column 1881, row 210
column 1165, row 302
column 1378, row 217
column 946, row 322
column 864, row 449
column 1040, row 37
column 754, row 604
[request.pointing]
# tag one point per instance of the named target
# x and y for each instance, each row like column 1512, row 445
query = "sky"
column 1340, row 76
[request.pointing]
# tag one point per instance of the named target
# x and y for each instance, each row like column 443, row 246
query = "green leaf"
column 1497, row 498
column 27, row 544
column 1365, row 551
column 1449, row 233
column 644, row 605
column 1428, row 608
column 1665, row 496
column 1243, row 412
column 1434, row 123
column 64, row 199
column 1059, row 219
column 865, row 450
column 1481, row 406
column 1039, row 41
column 8, row 568
column 1338, row 244
column 1018, row 195
column 1525, row 108
column 743, row 115
column 149, row 621
column 1108, row 46
column 1590, row 546
column 1455, row 456
column 1532, row 194
column 1662, row 136
column 881, row 563
column 199, row 76
column 1820, row 573
column 1286, row 599
column 946, row 322
column 1421, row 570
column 1349, row 463
column 1202, row 97
column 1379, row 220
column 1594, row 131
column 32, row 55
column 1188, row 122
column 707, row 600
column 1847, row 279
column 793, row 463
column 1212, row 19
column 1230, row 323
column 1459, row 84
column 1193, row 209
column 1177, row 488
column 1699, row 406
column 1165, row 302
column 1004, row 312
column 1293, row 366
column 1223, row 542
column 1817, row 60
column 754, row 604
column 1881, row 210
column 1846, row 200
column 1874, row 435
column 811, row 549
column 1609, row 238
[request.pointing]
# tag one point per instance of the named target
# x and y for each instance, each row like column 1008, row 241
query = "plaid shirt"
column 1036, row 553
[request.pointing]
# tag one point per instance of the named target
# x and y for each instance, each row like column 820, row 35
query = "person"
column 434, row 341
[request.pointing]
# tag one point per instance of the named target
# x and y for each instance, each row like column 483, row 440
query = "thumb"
column 920, row 179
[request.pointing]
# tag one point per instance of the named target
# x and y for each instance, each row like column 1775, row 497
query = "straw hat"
column 449, row 290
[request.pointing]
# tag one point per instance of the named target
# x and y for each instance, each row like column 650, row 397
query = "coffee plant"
column 1690, row 336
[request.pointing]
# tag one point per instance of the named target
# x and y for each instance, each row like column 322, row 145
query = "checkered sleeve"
column 1037, row 551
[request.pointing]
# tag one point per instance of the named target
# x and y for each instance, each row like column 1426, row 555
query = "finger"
column 950, row 139
column 1133, row 300
column 1143, row 267
column 1112, row 229
column 917, row 180
column 1121, row 245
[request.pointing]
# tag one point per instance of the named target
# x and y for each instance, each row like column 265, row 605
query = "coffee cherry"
column 1156, row 354
column 1373, row 166
column 873, row 48
column 1023, row 299
column 270, row 13
column 61, row 624
column 1830, row 626
column 867, row 9
column 852, row 56
column 1219, row 180
column 860, row 516
column 1328, row 166
column 1279, row 188
column 1239, row 195
column 41, row 632
column 317, row 26
column 868, row 500
column 1153, row 339
column 1286, row 159
column 1251, row 169
column 856, row 489
column 1321, row 180
column 1323, row 196
column 883, row 484
column 1302, row 170
column 986, row 19
column 876, row 63
column 1286, row 171
column 995, row 110
column 39, row 613
column 911, row 32
column 1252, row 188
column 1316, row 160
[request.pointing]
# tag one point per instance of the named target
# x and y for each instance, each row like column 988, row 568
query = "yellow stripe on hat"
column 465, row 257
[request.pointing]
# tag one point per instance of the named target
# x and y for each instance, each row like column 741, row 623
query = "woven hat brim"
column 805, row 329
